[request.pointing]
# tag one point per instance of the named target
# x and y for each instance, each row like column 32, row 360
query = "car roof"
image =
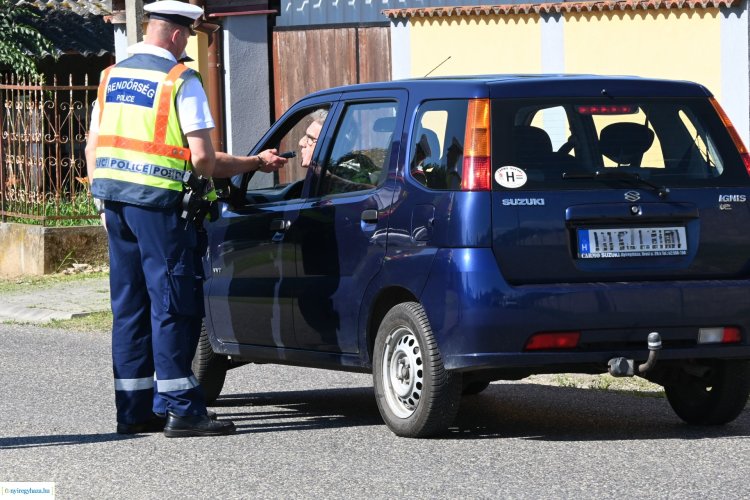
column 542, row 85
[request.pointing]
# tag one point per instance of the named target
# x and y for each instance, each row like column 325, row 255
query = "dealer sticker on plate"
column 631, row 242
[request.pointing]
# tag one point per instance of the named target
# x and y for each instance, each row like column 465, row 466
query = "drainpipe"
column 214, row 78
column 214, row 83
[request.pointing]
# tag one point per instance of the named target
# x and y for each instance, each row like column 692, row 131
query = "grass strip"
column 89, row 323
column 29, row 283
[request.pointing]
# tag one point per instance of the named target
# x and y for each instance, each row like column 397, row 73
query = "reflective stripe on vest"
column 100, row 91
column 140, row 142
column 165, row 173
column 113, row 141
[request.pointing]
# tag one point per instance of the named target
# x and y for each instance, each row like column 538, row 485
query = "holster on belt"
column 195, row 206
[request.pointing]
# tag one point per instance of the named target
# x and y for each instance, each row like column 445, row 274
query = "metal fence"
column 43, row 130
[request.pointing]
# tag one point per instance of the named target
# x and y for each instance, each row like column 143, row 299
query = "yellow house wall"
column 197, row 48
column 706, row 45
column 476, row 45
column 676, row 44
column 668, row 43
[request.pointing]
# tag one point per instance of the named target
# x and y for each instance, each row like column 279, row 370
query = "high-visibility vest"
column 141, row 152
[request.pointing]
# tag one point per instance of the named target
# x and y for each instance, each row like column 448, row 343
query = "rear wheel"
column 713, row 393
column 416, row 396
column 209, row 368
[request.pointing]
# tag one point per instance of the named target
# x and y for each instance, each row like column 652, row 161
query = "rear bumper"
column 481, row 322
column 568, row 361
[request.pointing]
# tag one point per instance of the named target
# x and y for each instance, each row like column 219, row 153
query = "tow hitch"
column 623, row 367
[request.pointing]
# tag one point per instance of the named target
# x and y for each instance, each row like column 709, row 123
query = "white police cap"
column 174, row 11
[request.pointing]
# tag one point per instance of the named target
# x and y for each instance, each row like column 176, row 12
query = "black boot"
column 155, row 424
column 211, row 414
column 196, row 425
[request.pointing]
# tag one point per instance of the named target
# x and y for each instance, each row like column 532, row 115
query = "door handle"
column 279, row 225
column 370, row 216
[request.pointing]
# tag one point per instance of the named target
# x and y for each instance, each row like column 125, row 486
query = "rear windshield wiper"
column 662, row 191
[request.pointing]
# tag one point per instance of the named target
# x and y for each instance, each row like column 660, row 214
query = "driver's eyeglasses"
column 310, row 140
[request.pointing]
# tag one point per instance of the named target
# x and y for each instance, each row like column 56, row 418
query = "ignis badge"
column 510, row 177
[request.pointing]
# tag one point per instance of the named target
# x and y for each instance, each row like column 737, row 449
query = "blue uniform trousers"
column 157, row 304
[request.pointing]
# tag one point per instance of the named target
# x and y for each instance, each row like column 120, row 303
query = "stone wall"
column 35, row 250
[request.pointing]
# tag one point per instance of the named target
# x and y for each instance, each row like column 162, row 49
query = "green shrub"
column 51, row 211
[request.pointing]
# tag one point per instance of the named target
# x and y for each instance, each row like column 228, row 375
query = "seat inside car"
column 534, row 153
column 426, row 156
column 625, row 143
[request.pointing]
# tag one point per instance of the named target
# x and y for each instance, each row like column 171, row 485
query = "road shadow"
column 548, row 413
column 504, row 410
column 299, row 410
column 14, row 443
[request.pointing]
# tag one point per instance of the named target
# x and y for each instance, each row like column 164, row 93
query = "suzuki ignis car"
column 443, row 233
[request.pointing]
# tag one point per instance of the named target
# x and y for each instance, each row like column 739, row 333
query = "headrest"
column 384, row 124
column 423, row 147
column 531, row 142
column 428, row 147
column 625, row 143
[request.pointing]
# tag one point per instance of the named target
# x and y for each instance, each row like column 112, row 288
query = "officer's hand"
column 269, row 161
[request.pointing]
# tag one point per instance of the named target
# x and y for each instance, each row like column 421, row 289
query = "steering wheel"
column 356, row 167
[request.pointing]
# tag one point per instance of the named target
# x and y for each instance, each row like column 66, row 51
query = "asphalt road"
column 317, row 434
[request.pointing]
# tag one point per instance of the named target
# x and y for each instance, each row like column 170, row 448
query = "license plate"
column 631, row 242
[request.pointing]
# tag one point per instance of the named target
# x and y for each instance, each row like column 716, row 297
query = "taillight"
column 732, row 133
column 719, row 335
column 477, row 170
column 553, row 340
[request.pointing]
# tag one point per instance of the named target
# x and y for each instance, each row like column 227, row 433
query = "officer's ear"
column 176, row 35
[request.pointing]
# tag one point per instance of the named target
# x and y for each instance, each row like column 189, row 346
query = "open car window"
column 299, row 134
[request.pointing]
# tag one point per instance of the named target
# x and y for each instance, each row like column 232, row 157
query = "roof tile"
column 556, row 7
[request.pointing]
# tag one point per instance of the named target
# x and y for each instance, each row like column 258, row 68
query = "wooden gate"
column 307, row 60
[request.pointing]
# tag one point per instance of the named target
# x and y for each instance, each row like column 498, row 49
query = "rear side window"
column 437, row 144
column 561, row 143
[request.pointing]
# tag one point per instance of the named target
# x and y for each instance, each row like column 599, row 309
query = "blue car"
column 443, row 233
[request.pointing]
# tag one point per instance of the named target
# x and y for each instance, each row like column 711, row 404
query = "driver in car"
column 308, row 141
column 333, row 183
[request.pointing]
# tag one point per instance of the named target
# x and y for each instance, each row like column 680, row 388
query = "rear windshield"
column 561, row 143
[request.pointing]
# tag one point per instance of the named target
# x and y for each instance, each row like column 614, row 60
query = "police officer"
column 150, row 125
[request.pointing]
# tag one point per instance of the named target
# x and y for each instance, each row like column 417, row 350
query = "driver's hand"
column 269, row 161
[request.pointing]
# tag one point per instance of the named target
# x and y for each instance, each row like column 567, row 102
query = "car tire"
column 716, row 398
column 474, row 388
column 209, row 368
column 417, row 397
